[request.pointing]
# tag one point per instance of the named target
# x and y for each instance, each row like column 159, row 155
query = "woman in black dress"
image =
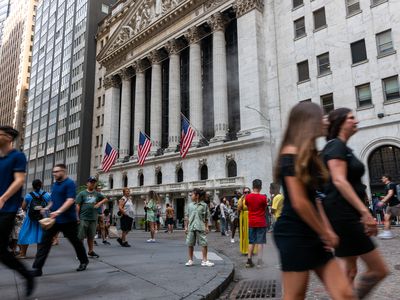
column 302, row 235
column 344, row 206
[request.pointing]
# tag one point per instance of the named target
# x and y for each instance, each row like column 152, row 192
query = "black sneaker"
column 125, row 244
column 106, row 242
column 82, row 267
column 36, row 272
column 119, row 241
column 95, row 243
column 30, row 285
column 93, row 254
column 249, row 263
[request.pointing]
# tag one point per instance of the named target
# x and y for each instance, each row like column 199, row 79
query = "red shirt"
column 256, row 205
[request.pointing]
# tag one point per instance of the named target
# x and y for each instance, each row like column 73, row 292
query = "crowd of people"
column 317, row 211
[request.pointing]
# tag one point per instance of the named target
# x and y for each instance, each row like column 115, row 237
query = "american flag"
column 143, row 148
column 186, row 136
column 110, row 155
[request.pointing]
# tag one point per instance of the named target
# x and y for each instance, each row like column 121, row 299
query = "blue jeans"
column 223, row 225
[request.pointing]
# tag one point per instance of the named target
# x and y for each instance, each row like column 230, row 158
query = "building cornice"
column 242, row 7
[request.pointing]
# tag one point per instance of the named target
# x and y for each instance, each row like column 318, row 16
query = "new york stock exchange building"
column 216, row 63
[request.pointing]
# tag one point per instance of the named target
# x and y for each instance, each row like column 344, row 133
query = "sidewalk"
column 144, row 271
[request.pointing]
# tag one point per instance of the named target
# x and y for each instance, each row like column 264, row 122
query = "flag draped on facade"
column 110, row 155
column 186, row 136
column 143, row 148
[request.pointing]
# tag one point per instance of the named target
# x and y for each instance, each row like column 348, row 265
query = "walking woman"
column 127, row 213
column 243, row 222
column 302, row 237
column 151, row 204
column 344, row 204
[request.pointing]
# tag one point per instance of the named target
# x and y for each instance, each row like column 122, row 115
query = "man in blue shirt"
column 12, row 170
column 64, row 211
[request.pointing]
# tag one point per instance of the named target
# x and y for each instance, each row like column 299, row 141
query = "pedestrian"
column 159, row 220
column 344, row 204
column 169, row 218
column 13, row 172
column 19, row 220
column 234, row 217
column 151, row 205
column 393, row 209
column 277, row 200
column 35, row 203
column 101, row 230
column 223, row 209
column 87, row 203
column 215, row 215
column 196, row 226
column 302, row 234
column 243, row 222
column 107, row 223
column 127, row 213
column 256, row 205
column 63, row 210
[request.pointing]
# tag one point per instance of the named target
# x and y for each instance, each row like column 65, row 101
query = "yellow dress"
column 244, row 226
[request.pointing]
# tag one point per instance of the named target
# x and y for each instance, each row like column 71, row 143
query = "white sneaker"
column 189, row 263
column 153, row 240
column 232, row 241
column 386, row 235
column 150, row 241
column 207, row 263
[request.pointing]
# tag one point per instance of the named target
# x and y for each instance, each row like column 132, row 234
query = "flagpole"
column 197, row 131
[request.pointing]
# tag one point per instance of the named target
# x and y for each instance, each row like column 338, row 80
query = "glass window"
column 327, row 103
column 353, row 6
column 358, row 51
column 363, row 93
column 376, row 2
column 302, row 70
column 297, row 3
column 319, row 18
column 391, row 88
column 384, row 42
column 299, row 28
column 324, row 66
column 104, row 8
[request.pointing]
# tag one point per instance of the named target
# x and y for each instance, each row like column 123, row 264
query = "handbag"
column 47, row 223
column 119, row 213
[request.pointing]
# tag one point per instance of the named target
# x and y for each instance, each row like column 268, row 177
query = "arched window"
column 111, row 183
column 179, row 175
column 232, row 169
column 383, row 160
column 159, row 177
column 141, row 179
column 125, row 181
column 204, row 172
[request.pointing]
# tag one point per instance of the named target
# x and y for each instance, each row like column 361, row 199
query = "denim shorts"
column 257, row 235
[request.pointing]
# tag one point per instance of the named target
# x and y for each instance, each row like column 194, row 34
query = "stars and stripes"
column 110, row 155
column 143, row 148
column 186, row 136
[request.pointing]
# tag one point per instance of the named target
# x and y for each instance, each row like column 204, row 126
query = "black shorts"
column 126, row 223
column 169, row 221
column 353, row 240
column 300, row 254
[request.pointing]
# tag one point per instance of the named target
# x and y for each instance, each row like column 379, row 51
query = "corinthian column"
column 125, row 121
column 156, row 100
column 111, row 111
column 217, row 24
column 174, row 95
column 139, row 121
column 195, row 83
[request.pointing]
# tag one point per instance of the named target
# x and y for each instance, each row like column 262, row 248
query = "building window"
column 302, row 71
column 104, row 8
column 363, row 93
column 353, row 6
column 319, row 18
column 111, row 183
column 97, row 141
column 98, row 102
column 384, row 42
column 141, row 179
column 104, row 100
column 327, row 103
column 100, row 83
column 324, row 66
column 179, row 175
column 204, row 172
column 376, row 2
column 358, row 51
column 297, row 3
column 102, row 120
column 232, row 169
column 299, row 28
column 391, row 88
column 101, row 140
column 98, row 121
column 306, row 100
column 159, row 177
column 125, row 181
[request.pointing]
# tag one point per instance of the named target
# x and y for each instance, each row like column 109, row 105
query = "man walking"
column 393, row 208
column 256, row 205
column 12, row 170
column 88, row 202
column 64, row 211
column 169, row 218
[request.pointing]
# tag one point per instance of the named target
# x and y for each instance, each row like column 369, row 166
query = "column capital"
column 193, row 35
column 242, row 7
column 173, row 47
column 125, row 74
column 155, row 57
column 217, row 22
column 111, row 81
column 139, row 66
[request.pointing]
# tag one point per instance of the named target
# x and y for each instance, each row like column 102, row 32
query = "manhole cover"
column 257, row 289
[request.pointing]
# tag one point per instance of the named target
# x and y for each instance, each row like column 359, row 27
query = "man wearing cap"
column 88, row 203
column 12, row 170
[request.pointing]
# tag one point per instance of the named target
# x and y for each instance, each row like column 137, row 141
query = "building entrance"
column 180, row 212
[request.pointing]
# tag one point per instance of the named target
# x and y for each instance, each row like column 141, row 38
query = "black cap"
column 92, row 179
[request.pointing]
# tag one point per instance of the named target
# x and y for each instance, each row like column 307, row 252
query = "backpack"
column 34, row 213
column 398, row 191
